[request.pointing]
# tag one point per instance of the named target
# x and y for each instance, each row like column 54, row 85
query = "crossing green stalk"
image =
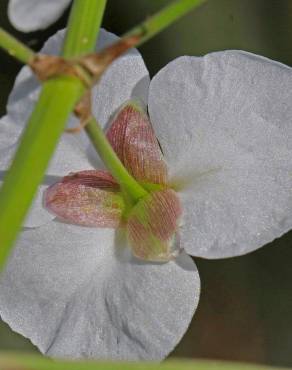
column 15, row 48
column 164, row 18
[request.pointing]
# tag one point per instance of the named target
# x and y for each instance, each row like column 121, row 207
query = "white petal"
column 9, row 133
column 224, row 123
column 75, row 295
column 126, row 77
column 32, row 15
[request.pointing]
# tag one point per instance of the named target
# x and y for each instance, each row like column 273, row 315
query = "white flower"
column 76, row 291
column 224, row 125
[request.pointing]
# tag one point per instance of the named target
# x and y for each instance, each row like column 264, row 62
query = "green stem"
column 163, row 19
column 15, row 48
column 112, row 161
column 82, row 36
column 44, row 128
column 23, row 361
column 38, row 143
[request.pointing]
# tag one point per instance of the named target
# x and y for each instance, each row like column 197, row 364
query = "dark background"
column 245, row 311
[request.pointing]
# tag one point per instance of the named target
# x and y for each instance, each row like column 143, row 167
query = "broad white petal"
column 32, row 15
column 76, row 295
column 224, row 124
column 126, row 77
column 9, row 133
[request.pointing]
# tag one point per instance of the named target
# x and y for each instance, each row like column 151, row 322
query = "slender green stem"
column 79, row 40
column 15, row 48
column 112, row 161
column 44, row 128
column 165, row 17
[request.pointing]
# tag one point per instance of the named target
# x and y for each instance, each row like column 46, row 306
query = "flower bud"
column 152, row 227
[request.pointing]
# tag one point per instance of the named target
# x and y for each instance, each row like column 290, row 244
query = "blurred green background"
column 245, row 312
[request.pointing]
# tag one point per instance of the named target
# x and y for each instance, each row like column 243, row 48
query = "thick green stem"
column 44, row 128
column 165, row 17
column 15, row 48
column 113, row 163
column 38, row 143
column 82, row 36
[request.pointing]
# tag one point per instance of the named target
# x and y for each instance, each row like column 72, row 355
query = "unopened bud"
column 152, row 227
